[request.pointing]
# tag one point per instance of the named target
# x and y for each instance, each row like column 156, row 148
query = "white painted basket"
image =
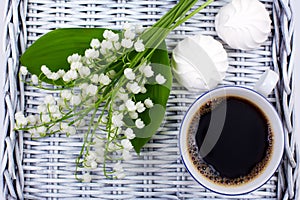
column 44, row 169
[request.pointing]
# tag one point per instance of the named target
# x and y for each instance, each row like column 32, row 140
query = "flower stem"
column 156, row 34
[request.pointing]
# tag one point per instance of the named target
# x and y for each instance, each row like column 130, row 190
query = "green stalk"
column 193, row 13
column 161, row 29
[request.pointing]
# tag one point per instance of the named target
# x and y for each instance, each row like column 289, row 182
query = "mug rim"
column 277, row 149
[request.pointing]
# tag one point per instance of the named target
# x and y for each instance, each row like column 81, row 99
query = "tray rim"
column 15, row 30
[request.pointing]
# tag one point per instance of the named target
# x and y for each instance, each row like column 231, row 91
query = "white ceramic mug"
column 277, row 148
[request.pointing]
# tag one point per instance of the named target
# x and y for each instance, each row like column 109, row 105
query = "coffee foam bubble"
column 207, row 170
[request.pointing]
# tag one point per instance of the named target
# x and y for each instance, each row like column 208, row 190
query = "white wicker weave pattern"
column 43, row 169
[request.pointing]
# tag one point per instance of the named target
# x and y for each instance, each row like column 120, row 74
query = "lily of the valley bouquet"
column 114, row 84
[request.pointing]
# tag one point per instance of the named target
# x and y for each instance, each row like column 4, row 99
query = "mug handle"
column 266, row 83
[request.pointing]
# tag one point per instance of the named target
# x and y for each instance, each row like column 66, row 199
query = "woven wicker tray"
column 44, row 169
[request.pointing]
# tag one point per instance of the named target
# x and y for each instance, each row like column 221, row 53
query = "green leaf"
column 159, row 94
column 53, row 48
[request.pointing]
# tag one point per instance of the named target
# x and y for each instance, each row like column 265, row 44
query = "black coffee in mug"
column 230, row 140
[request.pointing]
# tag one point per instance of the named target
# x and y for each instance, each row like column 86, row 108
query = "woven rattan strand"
column 44, row 169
